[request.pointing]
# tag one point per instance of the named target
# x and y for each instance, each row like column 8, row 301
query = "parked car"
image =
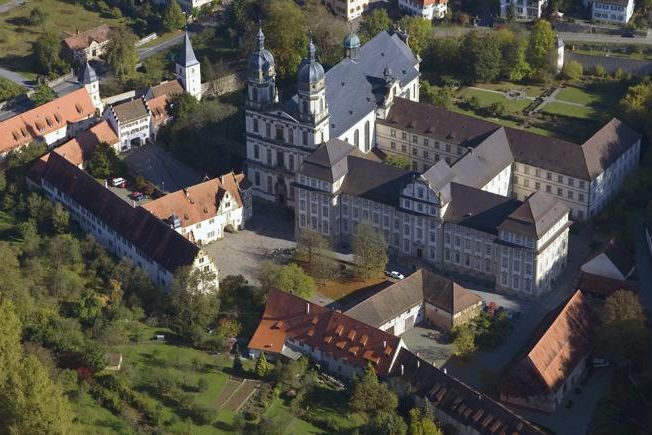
column 628, row 34
column 137, row 196
column 396, row 275
column 600, row 362
column 118, row 182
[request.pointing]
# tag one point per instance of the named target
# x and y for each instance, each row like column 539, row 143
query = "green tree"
column 285, row 32
column 94, row 357
column 60, row 219
column 540, row 45
column 262, row 366
column 9, row 89
column 371, row 397
column 172, row 17
column 327, row 31
column 437, row 96
column 37, row 16
column 397, row 160
column 369, row 251
column 464, row 342
column 46, row 51
column 573, row 70
column 513, row 64
column 237, row 363
column 623, row 335
column 373, row 23
column 314, row 248
column 419, row 31
column 100, row 163
column 511, row 13
column 481, row 54
column 420, row 423
column 294, row 280
column 193, row 302
column 637, row 105
column 43, row 94
column 122, row 55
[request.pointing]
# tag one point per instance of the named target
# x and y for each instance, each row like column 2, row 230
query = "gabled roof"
column 421, row 286
column 158, row 107
column 196, row 203
column 329, row 161
column 564, row 338
column 42, row 120
column 291, row 318
column 148, row 234
column 607, row 145
column 457, row 400
column 618, row 255
column 170, row 88
column 187, row 55
column 83, row 40
column 353, row 84
column 130, row 110
column 538, row 213
column 603, row 286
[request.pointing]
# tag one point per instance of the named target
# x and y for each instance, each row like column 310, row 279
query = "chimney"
column 307, row 308
column 444, row 370
column 78, row 31
column 185, row 192
column 384, row 344
column 418, row 363
column 402, row 369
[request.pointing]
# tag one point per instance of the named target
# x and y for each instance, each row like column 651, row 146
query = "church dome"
column 310, row 71
column 261, row 59
column 351, row 41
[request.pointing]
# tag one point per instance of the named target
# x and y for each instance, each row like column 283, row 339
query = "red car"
column 137, row 196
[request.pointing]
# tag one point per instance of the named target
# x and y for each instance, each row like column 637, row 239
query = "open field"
column 17, row 35
column 488, row 98
column 580, row 96
column 572, row 111
column 293, row 425
column 530, row 90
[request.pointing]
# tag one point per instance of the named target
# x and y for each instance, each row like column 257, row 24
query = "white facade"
column 613, row 12
column 348, row 9
column 427, row 9
column 134, row 131
column 190, row 79
column 524, row 10
column 209, row 230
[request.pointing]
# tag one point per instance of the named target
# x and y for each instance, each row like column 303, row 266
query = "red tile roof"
column 289, row 317
column 602, row 286
column 83, row 40
column 40, row 121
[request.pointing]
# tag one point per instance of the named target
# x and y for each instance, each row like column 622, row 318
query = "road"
column 144, row 53
column 15, row 77
column 602, row 38
column 10, row 5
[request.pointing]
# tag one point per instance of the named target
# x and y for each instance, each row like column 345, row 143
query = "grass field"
column 530, row 90
column 562, row 109
column 17, row 35
column 293, row 425
column 580, row 96
column 488, row 98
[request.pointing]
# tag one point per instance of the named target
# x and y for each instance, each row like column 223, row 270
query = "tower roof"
column 351, row 41
column 187, row 56
column 261, row 59
column 89, row 74
column 311, row 71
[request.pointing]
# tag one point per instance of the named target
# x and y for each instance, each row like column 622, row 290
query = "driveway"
column 419, row 341
column 270, row 229
column 161, row 168
column 15, row 77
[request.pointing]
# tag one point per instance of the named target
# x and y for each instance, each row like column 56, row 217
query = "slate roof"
column 562, row 340
column 478, row 209
column 603, row 287
column 376, row 181
column 456, row 399
column 353, row 85
column 401, row 296
column 538, row 213
column 89, row 75
column 329, row 161
column 186, row 54
column 439, row 177
column 152, row 237
column 619, row 255
column 131, row 110
column 343, row 338
column 607, row 145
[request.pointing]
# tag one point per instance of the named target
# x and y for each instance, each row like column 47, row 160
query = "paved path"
column 144, row 53
column 10, row 5
column 15, row 77
column 602, row 38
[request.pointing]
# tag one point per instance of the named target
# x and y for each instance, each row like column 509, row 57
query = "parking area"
column 161, row 168
column 270, row 230
column 429, row 343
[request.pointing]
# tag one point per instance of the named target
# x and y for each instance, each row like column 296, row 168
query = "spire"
column 311, row 51
column 89, row 74
column 187, row 56
column 261, row 36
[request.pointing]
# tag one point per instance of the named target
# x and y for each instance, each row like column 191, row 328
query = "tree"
column 511, row 13
column 397, row 160
column 46, row 51
column 481, row 55
column 294, row 280
column 370, row 397
column 314, row 249
column 369, row 251
column 37, row 16
column 99, row 164
column 285, row 32
column 439, row 97
column 373, row 23
column 327, row 31
column 419, row 31
column 43, row 94
column 540, row 45
column 122, row 55
column 637, row 105
column 193, row 302
column 513, row 46
column 9, row 89
column 420, row 423
column 464, row 342
column 172, row 17
column 262, row 366
column 237, row 363
column 573, row 70
column 623, row 335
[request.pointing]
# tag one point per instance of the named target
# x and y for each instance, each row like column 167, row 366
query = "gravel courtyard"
column 270, row 229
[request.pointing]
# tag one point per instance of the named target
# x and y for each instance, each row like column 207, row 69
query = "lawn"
column 91, row 419
column 488, row 98
column 571, row 111
column 293, row 425
column 161, row 39
column 580, row 96
column 530, row 90
column 17, row 35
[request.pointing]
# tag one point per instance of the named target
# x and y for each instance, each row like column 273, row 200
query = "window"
column 570, row 194
column 291, row 136
column 571, row 182
column 425, row 141
column 392, row 132
column 269, row 157
column 504, row 262
column 548, row 188
column 255, row 126
column 487, row 249
column 537, row 185
column 515, row 282
column 560, row 178
column 580, row 196
column 447, row 254
column 458, row 241
column 560, row 192
column 356, row 138
column 256, row 152
column 392, row 145
column 582, row 185
column 447, row 238
column 291, row 163
column 487, row 265
column 548, row 176
column 457, row 258
column 448, row 147
column 268, row 130
column 404, row 135
column 515, row 179
column 305, row 138
column 279, row 133
column 404, row 148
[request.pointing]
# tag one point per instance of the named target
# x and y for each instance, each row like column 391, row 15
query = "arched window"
column 356, row 138
column 254, row 94
column 366, row 136
column 322, row 104
column 305, row 107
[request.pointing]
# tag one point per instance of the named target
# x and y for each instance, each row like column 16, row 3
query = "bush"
column 201, row 415
column 573, row 70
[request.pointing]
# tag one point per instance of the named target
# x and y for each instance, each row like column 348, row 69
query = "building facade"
column 347, row 9
column 612, row 11
column 523, row 10
column 83, row 47
column 188, row 69
column 132, row 122
column 427, row 9
column 281, row 134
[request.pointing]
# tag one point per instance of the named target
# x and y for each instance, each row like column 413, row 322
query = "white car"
column 118, row 182
column 396, row 275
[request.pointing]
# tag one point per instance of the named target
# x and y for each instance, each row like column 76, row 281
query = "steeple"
column 188, row 69
column 352, row 46
column 89, row 74
column 311, row 88
column 92, row 85
column 261, row 75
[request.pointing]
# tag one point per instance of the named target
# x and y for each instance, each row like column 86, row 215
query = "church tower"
column 188, row 69
column 261, row 76
column 311, row 96
column 352, row 46
column 92, row 85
